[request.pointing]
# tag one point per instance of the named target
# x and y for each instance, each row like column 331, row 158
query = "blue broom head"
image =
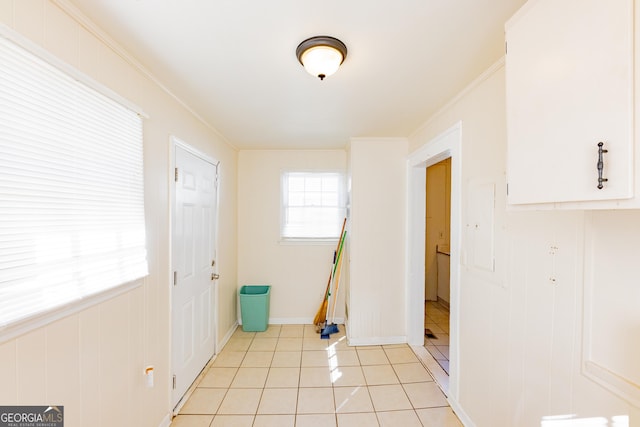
column 328, row 330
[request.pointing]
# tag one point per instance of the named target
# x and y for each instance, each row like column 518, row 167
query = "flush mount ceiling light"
column 321, row 56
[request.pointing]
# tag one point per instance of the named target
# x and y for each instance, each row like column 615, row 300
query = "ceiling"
column 234, row 62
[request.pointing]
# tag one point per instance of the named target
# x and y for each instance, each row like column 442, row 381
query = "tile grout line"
column 357, row 352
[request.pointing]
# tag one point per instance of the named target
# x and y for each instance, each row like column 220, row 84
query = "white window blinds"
column 71, row 189
column 312, row 205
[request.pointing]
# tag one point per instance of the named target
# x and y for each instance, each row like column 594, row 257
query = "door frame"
column 447, row 144
column 176, row 142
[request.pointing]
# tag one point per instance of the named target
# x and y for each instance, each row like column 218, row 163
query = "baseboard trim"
column 464, row 418
column 226, row 338
column 295, row 321
column 444, row 303
column 166, row 421
column 377, row 340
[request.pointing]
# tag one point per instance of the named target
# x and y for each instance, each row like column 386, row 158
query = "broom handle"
column 321, row 315
column 337, row 251
column 332, row 275
column 338, row 254
column 325, row 300
column 336, row 278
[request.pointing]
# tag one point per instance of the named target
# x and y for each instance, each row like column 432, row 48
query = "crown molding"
column 499, row 64
column 77, row 15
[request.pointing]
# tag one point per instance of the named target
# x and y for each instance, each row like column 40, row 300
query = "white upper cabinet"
column 569, row 74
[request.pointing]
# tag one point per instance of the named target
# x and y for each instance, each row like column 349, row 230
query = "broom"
column 321, row 316
column 332, row 328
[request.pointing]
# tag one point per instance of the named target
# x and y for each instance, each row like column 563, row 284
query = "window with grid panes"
column 313, row 205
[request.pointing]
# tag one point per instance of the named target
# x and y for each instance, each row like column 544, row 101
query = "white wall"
column 521, row 326
column 377, row 298
column 297, row 272
column 92, row 362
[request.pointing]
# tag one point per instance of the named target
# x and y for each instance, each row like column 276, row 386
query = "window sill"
column 308, row 242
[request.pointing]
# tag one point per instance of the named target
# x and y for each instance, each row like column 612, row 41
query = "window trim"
column 48, row 316
column 37, row 50
column 342, row 206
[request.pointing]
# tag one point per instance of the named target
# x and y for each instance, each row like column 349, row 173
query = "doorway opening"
column 445, row 146
column 437, row 261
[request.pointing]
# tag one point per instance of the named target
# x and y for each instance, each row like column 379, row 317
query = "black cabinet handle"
column 601, row 165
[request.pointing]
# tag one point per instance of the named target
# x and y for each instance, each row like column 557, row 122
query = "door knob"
column 215, row 276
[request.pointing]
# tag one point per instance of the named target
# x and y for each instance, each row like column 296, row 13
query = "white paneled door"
column 194, row 269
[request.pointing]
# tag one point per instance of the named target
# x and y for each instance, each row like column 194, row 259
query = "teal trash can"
column 254, row 307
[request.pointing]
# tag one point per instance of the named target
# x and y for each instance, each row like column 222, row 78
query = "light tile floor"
column 289, row 376
column 436, row 318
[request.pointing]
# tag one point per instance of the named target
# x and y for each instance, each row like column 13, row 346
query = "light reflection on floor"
column 572, row 421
